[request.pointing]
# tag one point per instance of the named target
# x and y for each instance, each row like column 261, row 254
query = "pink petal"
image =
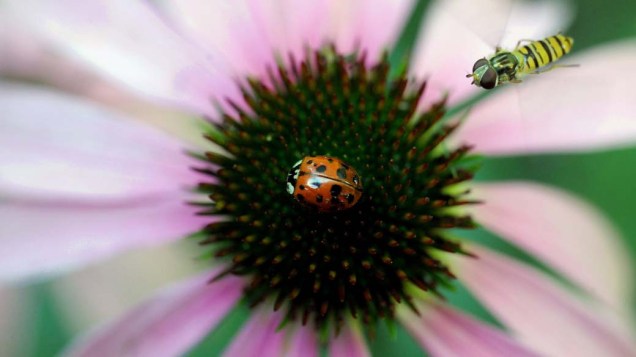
column 567, row 109
column 81, row 183
column 455, row 34
column 19, row 52
column 349, row 343
column 443, row 331
column 566, row 233
column 226, row 27
column 96, row 293
column 58, row 147
column 126, row 41
column 30, row 58
column 290, row 26
column 167, row 324
column 371, row 25
column 44, row 238
column 251, row 33
column 259, row 337
column 302, row 343
column 541, row 314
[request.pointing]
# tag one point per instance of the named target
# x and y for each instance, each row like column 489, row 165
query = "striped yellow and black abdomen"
column 541, row 53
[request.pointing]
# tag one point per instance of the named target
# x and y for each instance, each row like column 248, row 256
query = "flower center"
column 327, row 264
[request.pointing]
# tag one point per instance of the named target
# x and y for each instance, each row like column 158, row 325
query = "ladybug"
column 325, row 183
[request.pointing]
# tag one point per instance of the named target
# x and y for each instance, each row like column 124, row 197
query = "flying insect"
column 510, row 66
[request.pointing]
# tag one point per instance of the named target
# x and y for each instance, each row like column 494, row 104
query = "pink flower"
column 81, row 182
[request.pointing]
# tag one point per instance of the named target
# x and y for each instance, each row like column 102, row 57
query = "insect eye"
column 489, row 79
column 479, row 63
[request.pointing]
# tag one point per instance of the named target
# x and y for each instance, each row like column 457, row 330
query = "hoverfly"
column 510, row 66
column 527, row 117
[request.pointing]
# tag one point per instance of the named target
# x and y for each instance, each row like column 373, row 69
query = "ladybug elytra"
column 325, row 183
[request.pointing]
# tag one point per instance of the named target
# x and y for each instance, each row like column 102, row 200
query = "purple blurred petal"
column 127, row 42
column 55, row 146
column 168, row 324
column 259, row 336
column 349, row 343
column 552, row 320
column 39, row 239
column 443, row 331
column 302, row 343
column 564, row 232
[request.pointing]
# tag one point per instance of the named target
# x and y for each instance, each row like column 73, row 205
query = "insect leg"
column 549, row 68
column 522, row 41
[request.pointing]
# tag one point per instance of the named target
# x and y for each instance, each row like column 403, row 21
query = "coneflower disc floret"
column 323, row 266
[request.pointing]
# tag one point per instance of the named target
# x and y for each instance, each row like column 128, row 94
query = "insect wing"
column 565, row 108
column 474, row 29
column 502, row 23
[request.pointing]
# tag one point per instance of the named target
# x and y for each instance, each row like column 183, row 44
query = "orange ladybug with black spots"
column 325, row 183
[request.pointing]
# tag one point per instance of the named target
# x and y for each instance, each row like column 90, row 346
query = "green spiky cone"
column 357, row 261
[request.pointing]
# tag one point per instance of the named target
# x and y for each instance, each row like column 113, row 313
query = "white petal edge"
column 585, row 108
column 443, row 331
column 126, row 41
column 39, row 239
column 455, row 34
column 168, row 324
column 540, row 313
column 55, row 146
column 566, row 233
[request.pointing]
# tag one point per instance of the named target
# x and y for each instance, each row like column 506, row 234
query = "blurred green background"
column 605, row 179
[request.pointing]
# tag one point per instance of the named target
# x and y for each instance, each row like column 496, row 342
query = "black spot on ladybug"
column 321, row 168
column 302, row 187
column 302, row 173
column 300, row 198
column 345, row 165
column 341, row 172
column 335, row 190
column 350, row 198
column 330, row 160
column 309, row 162
column 315, row 184
column 319, row 198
